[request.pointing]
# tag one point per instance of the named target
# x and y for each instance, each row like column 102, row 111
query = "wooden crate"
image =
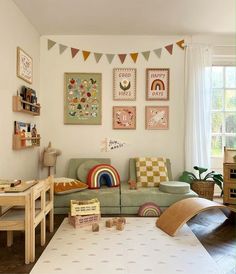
column 81, row 221
column 84, row 207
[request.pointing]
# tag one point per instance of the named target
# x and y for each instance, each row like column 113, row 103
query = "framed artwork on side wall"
column 157, row 117
column 157, row 85
column 83, row 98
column 24, row 66
column 124, row 117
column 124, row 84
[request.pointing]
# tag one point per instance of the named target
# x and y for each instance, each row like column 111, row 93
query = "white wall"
column 15, row 31
column 84, row 140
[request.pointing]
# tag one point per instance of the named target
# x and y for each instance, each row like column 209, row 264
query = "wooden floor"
column 216, row 233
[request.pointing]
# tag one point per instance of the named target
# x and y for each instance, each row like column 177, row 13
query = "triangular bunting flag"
column 97, row 56
column 169, row 48
column 122, row 57
column 134, row 56
column 86, row 54
column 74, row 52
column 62, row 48
column 180, row 44
column 51, row 44
column 146, row 54
column 110, row 57
column 158, row 52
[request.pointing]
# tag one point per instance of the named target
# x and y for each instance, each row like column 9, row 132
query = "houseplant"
column 203, row 184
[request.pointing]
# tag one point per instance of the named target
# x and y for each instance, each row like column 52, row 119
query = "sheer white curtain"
column 198, row 64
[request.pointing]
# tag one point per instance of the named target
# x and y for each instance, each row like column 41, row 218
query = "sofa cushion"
column 136, row 198
column 84, row 168
column 74, row 163
column 174, row 187
column 67, row 185
column 151, row 171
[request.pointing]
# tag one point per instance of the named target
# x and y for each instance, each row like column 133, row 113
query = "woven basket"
column 205, row 189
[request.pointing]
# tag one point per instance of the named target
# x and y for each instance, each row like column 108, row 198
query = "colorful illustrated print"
column 124, row 84
column 157, row 84
column 157, row 117
column 82, row 102
column 124, row 117
column 24, row 66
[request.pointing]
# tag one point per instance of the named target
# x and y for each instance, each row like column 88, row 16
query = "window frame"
column 223, row 134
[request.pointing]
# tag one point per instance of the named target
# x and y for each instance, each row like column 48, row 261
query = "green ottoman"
column 174, row 187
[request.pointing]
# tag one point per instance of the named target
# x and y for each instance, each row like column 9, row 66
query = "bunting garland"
column 85, row 54
column 122, row 57
column 158, row 52
column 74, row 52
column 110, row 56
column 134, row 56
column 146, row 54
column 62, row 48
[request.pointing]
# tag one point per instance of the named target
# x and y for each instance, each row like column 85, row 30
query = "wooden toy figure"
column 109, row 223
column 120, row 226
column 95, row 227
column 132, row 185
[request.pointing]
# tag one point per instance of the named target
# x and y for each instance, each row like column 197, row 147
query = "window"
column 223, row 109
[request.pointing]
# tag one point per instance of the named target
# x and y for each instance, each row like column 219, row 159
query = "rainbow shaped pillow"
column 103, row 172
column 149, row 210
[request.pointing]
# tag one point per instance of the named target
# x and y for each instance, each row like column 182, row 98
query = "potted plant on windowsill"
column 202, row 184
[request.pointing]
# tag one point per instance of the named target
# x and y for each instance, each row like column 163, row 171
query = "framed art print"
column 124, row 117
column 24, row 66
column 157, row 117
column 124, row 84
column 83, row 98
column 157, row 86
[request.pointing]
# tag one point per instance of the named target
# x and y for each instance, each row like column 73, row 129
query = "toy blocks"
column 95, row 227
column 109, row 223
column 119, row 223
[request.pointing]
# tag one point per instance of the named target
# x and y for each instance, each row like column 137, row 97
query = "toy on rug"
column 149, row 210
column 132, row 185
column 120, row 226
column 95, row 227
column 85, row 212
column 103, row 172
column 109, row 223
column 119, row 223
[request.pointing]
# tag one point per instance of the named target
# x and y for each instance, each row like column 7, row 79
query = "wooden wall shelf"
column 18, row 106
column 22, row 143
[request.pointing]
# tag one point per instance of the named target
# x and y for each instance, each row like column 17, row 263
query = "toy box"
column 81, row 221
column 84, row 207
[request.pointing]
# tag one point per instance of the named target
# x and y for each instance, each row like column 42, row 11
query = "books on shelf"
column 27, row 133
column 29, row 95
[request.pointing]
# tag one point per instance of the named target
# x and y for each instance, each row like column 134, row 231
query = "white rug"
column 140, row 248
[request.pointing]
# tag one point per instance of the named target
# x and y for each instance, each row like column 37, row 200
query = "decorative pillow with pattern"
column 150, row 171
column 67, row 185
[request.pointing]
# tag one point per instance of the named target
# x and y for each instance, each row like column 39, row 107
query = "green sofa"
column 131, row 200
column 117, row 200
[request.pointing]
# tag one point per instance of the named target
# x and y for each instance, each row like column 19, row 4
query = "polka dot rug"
column 140, row 248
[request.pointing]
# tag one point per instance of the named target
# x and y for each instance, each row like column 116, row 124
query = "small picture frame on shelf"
column 124, row 84
column 157, row 84
column 157, row 117
column 124, row 117
column 24, row 66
